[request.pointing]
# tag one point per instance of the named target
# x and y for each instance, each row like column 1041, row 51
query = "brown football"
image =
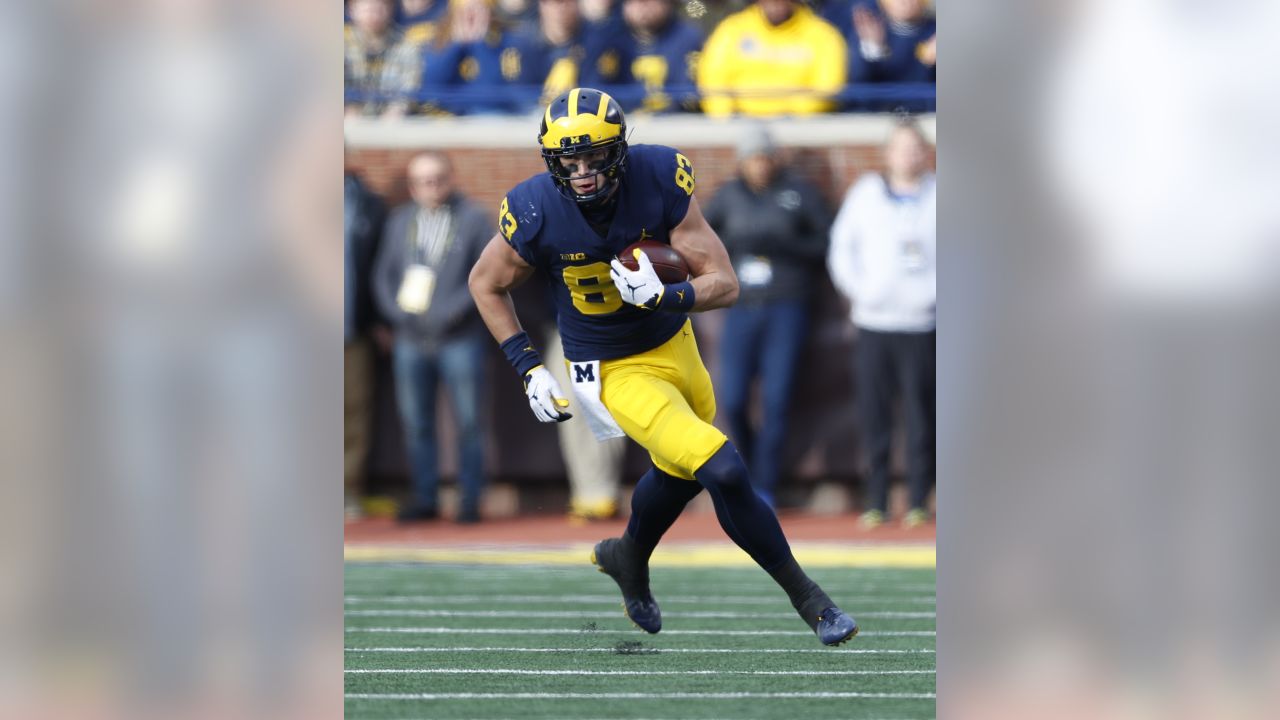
column 668, row 263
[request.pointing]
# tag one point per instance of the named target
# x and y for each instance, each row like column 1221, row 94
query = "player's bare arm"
column 715, row 284
column 499, row 270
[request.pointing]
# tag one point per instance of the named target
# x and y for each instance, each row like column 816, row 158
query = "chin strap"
column 601, row 199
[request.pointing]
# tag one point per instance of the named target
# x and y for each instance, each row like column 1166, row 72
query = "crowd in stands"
column 720, row 57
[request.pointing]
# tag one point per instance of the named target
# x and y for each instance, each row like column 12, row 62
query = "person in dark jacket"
column 420, row 284
column 362, row 216
column 774, row 225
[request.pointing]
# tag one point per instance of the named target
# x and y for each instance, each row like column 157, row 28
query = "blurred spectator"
column 467, row 68
column 517, row 16
column 774, row 226
column 420, row 282
column 419, row 19
column 896, row 43
column 381, row 67
column 594, row 466
column 883, row 260
column 667, row 51
column 362, row 216
column 599, row 12
column 774, row 58
column 840, row 14
column 560, row 55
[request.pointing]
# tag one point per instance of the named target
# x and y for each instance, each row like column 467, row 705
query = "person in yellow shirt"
column 776, row 57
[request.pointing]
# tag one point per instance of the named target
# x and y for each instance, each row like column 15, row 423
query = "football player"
column 628, row 339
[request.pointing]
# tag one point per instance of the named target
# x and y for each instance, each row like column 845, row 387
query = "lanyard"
column 431, row 236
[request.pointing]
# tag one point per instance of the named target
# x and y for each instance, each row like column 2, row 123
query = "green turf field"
column 483, row 641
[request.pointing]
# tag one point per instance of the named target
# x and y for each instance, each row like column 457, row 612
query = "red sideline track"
column 555, row 529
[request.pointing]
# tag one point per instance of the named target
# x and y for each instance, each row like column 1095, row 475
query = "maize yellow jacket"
column 751, row 67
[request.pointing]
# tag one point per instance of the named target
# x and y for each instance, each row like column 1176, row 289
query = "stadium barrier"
column 914, row 97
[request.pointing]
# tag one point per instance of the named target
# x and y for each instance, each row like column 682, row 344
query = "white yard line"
column 645, row 650
column 597, row 592
column 771, row 590
column 706, row 614
column 613, row 599
column 580, row 631
column 637, row 696
column 422, row 583
column 509, row 671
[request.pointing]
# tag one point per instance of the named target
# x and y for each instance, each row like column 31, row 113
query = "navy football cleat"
column 633, row 580
column 834, row 627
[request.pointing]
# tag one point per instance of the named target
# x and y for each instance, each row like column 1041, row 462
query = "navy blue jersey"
column 668, row 65
column 550, row 233
column 422, row 27
column 469, row 78
column 840, row 14
column 903, row 65
column 590, row 59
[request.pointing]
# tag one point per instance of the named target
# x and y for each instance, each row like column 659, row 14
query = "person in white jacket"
column 883, row 259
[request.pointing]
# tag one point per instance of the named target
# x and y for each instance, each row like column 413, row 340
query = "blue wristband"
column 677, row 297
column 520, row 353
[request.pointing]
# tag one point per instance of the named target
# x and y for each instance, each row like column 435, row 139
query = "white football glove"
column 545, row 396
column 640, row 287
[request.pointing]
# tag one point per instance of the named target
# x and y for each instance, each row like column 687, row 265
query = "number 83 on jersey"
column 592, row 289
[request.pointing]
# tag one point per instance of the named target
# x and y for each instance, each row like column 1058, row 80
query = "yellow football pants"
column 663, row 399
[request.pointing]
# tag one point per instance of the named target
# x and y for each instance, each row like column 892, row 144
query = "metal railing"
column 520, row 99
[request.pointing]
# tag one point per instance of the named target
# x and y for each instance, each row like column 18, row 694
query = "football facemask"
column 584, row 121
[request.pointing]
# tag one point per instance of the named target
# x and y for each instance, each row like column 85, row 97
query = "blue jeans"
column 457, row 364
column 763, row 340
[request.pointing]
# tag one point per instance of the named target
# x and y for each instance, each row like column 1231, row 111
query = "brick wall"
column 486, row 174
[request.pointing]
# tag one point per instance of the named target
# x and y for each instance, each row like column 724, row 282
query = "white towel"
column 585, row 378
